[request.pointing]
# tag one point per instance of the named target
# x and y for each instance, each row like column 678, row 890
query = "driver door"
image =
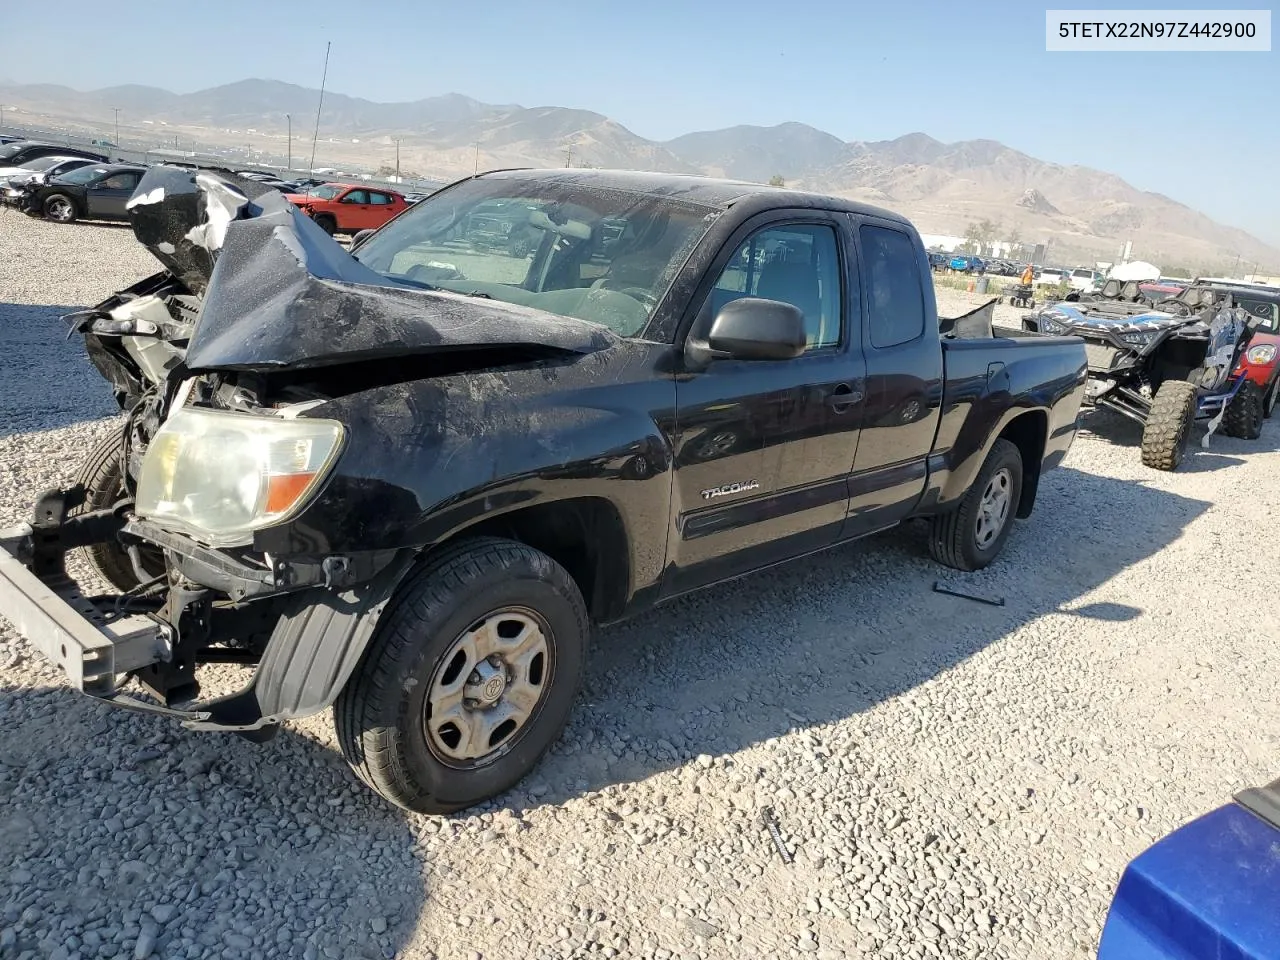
column 106, row 198
column 357, row 212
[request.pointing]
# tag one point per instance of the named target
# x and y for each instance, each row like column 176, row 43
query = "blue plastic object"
column 1208, row 891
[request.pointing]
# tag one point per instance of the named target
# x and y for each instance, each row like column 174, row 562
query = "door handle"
column 843, row 397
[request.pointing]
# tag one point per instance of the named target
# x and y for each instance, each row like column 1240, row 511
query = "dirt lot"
column 956, row 780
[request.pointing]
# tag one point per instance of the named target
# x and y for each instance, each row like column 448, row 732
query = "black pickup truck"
column 404, row 481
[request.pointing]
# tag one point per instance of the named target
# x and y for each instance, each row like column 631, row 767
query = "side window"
column 895, row 303
column 798, row 264
column 121, row 181
column 378, row 198
column 356, row 196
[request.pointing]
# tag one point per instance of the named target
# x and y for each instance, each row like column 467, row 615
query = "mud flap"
column 311, row 654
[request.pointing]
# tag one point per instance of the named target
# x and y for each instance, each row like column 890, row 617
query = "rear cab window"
column 891, row 277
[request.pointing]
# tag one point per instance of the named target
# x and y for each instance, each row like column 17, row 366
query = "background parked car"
column 1084, row 279
column 20, row 152
column 348, row 207
column 1051, row 277
column 16, row 182
column 96, row 192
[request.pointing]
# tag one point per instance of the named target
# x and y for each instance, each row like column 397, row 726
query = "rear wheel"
column 971, row 536
column 102, row 475
column 1168, row 427
column 60, row 208
column 469, row 678
column 327, row 224
column 1245, row 412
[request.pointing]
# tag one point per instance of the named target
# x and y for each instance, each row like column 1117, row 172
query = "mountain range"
column 942, row 187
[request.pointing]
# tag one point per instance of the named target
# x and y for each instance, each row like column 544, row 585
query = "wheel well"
column 586, row 536
column 1028, row 432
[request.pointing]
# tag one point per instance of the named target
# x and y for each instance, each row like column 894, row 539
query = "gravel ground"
column 956, row 780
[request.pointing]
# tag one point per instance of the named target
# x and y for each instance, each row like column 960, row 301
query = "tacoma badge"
column 740, row 487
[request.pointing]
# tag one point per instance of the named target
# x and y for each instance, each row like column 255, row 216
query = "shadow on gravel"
column 116, row 825
column 1110, row 427
column 821, row 639
column 48, row 381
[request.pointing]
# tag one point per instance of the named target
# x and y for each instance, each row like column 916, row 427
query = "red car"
column 348, row 207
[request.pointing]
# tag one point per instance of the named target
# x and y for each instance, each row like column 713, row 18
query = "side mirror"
column 358, row 239
column 750, row 329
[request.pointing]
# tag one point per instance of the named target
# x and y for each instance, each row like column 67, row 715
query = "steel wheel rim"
column 60, row 210
column 488, row 687
column 993, row 508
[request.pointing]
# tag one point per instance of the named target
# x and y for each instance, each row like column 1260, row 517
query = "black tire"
column 59, row 208
column 1244, row 414
column 1269, row 402
column 953, row 536
column 1168, row 428
column 380, row 716
column 102, row 475
column 327, row 223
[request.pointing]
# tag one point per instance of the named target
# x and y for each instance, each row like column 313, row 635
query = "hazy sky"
column 1201, row 128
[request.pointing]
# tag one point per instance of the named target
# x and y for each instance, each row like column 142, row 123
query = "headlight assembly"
column 220, row 476
column 1049, row 325
column 1139, row 339
column 1262, row 354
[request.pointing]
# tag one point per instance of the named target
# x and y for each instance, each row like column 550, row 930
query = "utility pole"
column 568, row 157
column 397, row 160
column 477, row 156
column 117, row 112
column 289, row 120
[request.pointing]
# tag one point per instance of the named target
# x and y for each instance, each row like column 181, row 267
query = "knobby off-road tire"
column 1245, row 413
column 1168, row 428
column 381, row 717
column 954, row 536
column 102, row 475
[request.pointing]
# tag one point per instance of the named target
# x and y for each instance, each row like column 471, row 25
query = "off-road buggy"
column 1164, row 367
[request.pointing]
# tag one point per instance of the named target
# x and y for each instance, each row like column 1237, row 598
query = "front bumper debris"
column 67, row 628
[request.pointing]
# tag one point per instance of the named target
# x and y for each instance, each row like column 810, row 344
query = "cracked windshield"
column 566, row 482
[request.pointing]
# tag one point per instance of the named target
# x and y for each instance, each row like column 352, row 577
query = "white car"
column 41, row 169
column 1051, row 277
column 1084, row 279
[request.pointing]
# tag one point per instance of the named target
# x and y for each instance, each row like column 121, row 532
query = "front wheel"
column 971, row 536
column 102, row 475
column 327, row 224
column 1245, row 413
column 59, row 208
column 469, row 678
column 1168, row 428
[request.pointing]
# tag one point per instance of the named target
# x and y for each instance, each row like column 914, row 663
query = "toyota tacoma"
column 405, row 481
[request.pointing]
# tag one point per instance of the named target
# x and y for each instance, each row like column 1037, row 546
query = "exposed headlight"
column 1262, row 354
column 220, row 476
column 1140, row 339
column 1049, row 325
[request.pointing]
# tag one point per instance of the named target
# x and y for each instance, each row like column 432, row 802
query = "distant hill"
column 943, row 187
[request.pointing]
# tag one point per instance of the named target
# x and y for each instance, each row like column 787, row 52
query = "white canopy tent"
column 1134, row 270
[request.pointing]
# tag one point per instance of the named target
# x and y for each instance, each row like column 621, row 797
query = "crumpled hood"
column 280, row 292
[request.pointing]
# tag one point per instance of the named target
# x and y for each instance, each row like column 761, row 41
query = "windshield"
column 325, row 191
column 9, row 149
column 601, row 255
column 83, row 175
